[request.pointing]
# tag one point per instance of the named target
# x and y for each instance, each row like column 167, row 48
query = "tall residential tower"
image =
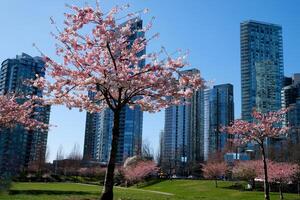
column 261, row 67
column 291, row 99
column 183, row 141
column 18, row 147
column 221, row 114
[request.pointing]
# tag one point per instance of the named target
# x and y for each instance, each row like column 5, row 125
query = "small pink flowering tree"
column 17, row 111
column 139, row 171
column 214, row 170
column 247, row 170
column 282, row 173
column 264, row 125
column 101, row 56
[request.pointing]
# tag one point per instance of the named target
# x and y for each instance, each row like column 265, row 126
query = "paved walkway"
column 135, row 189
column 152, row 191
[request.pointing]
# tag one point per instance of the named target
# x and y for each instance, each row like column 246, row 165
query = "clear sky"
column 209, row 29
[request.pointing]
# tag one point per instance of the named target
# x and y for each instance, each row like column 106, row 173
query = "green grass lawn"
column 166, row 190
column 195, row 189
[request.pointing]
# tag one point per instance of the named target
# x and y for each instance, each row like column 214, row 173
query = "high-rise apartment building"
column 183, row 141
column 193, row 130
column 206, row 126
column 19, row 147
column 291, row 99
column 261, row 67
column 98, row 132
column 221, row 114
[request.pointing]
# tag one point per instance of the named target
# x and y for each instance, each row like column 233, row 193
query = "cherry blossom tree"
column 92, row 172
column 264, row 125
column 16, row 110
column 138, row 171
column 214, row 170
column 247, row 170
column 282, row 173
column 100, row 56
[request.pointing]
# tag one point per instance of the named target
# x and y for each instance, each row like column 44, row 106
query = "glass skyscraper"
column 206, row 119
column 183, row 141
column 192, row 130
column 221, row 114
column 291, row 99
column 18, row 147
column 261, row 67
column 98, row 131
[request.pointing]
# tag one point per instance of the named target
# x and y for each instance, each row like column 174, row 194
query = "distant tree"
column 282, row 173
column 247, row 170
column 136, row 172
column 147, row 150
column 40, row 162
column 214, row 170
column 92, row 172
column 75, row 153
column 59, row 157
column 264, row 125
column 73, row 161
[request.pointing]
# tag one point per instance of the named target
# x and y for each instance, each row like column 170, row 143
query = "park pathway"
column 152, row 191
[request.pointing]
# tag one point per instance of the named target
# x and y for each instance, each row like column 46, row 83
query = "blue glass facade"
column 183, row 138
column 291, row 99
column 170, row 138
column 261, row 71
column 18, row 147
column 206, row 117
column 261, row 67
column 221, row 113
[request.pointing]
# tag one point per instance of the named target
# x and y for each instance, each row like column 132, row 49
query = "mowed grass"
column 203, row 189
column 69, row 191
column 166, row 190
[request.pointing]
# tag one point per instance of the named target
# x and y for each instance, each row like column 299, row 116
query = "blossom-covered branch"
column 108, row 62
column 17, row 111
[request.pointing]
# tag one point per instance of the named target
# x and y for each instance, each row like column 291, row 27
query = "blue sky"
column 209, row 29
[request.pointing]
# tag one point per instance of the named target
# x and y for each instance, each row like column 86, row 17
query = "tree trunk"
column 298, row 188
column 253, row 184
column 266, row 182
column 107, row 192
column 280, row 191
column 216, row 182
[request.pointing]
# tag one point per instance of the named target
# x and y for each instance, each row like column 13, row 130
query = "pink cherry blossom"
column 247, row 170
column 138, row 171
column 281, row 173
column 264, row 125
column 15, row 111
column 214, row 170
column 98, row 54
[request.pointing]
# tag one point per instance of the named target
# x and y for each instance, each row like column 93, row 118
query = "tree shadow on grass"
column 49, row 192
column 235, row 186
column 150, row 182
